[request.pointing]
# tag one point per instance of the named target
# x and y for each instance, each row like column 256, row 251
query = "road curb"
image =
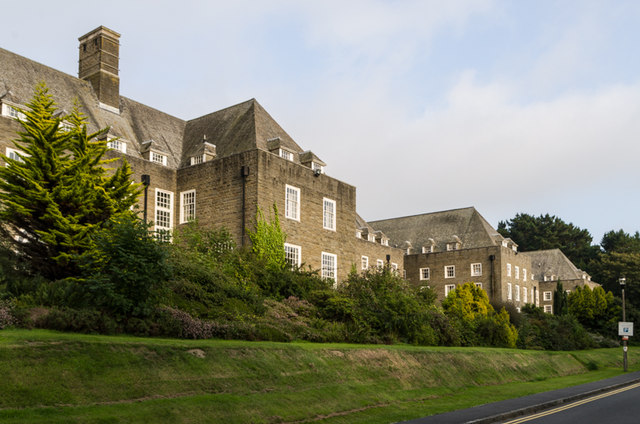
column 550, row 404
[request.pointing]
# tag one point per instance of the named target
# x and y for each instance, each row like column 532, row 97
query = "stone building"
column 449, row 248
column 551, row 267
column 218, row 168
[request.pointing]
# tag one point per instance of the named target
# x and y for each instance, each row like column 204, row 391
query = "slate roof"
column 232, row 130
column 553, row 262
column 440, row 228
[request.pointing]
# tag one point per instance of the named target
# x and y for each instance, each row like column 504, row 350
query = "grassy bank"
column 57, row 377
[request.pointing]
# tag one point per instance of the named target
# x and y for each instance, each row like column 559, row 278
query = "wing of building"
column 448, row 248
column 218, row 168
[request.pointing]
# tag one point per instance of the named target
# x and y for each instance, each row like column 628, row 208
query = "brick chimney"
column 99, row 58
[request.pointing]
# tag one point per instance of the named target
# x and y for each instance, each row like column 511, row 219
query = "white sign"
column 625, row 328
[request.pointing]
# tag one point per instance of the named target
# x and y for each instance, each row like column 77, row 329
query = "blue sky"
column 508, row 106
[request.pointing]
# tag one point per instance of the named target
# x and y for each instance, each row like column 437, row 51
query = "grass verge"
column 58, row 377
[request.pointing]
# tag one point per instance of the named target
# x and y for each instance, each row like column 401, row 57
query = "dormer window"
column 453, row 246
column 359, row 233
column 285, row 154
column 384, row 242
column 117, row 144
column 12, row 112
column 427, row 249
column 196, row 160
column 14, row 154
column 158, row 158
column 371, row 237
column 315, row 166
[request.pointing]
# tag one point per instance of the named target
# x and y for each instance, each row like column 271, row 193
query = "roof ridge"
column 426, row 213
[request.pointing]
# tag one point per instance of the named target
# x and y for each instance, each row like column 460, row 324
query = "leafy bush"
column 551, row 332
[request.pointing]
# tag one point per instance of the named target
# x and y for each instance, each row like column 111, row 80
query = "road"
column 614, row 400
column 620, row 406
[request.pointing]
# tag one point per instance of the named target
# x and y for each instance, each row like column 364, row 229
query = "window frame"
column 289, row 213
column 547, row 296
column 517, row 293
column 297, row 256
column 328, row 216
column 424, row 276
column 476, row 269
column 183, row 218
column 324, row 270
column 364, row 262
column 448, row 274
column 448, row 288
column 154, row 156
column 508, row 270
column 509, row 291
column 163, row 209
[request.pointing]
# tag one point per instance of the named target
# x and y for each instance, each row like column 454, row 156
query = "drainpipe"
column 492, row 282
column 146, row 180
column 244, row 173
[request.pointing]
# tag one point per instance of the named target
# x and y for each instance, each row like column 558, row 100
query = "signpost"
column 625, row 329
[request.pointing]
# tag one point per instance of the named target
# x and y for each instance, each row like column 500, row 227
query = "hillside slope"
column 56, row 377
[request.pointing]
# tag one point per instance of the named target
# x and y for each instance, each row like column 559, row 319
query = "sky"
column 523, row 106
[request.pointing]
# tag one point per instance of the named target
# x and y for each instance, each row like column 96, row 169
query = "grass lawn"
column 58, row 378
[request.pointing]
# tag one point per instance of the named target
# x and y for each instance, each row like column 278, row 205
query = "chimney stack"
column 99, row 58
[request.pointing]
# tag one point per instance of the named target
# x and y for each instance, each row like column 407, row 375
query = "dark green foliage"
column 550, row 232
column 126, row 271
column 383, row 308
column 551, row 332
column 560, row 300
column 595, row 309
column 59, row 193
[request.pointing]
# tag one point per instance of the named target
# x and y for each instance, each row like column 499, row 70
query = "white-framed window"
column 359, row 234
column 196, row 160
column 12, row 112
column 517, row 293
column 532, row 295
column 380, row 263
column 315, row 166
column 548, row 309
column 117, row 144
column 478, row 285
column 425, row 273
column 450, row 271
column 14, row 154
column 384, row 241
column 524, row 295
column 546, row 296
column 328, row 214
column 329, row 266
column 371, row 237
column 524, row 274
column 517, row 272
column 292, row 203
column 508, row 270
column 65, row 126
column 285, row 154
column 452, row 246
column 292, row 254
column 164, row 214
column 509, row 291
column 427, row 249
column 158, row 158
column 364, row 262
column 448, row 288
column 187, row 206
column 476, row 270
column 394, row 267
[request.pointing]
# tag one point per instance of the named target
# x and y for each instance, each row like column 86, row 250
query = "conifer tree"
column 59, row 192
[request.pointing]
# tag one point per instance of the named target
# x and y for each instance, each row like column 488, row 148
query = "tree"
column 59, row 192
column 478, row 323
column 550, row 232
column 595, row 309
column 619, row 241
column 559, row 300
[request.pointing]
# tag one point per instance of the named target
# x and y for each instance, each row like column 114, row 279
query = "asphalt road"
column 618, row 403
column 621, row 406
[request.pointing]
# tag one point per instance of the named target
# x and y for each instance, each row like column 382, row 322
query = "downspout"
column 146, row 180
column 492, row 282
column 244, row 173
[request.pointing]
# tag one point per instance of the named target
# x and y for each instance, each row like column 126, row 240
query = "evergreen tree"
column 59, row 192
column 559, row 300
